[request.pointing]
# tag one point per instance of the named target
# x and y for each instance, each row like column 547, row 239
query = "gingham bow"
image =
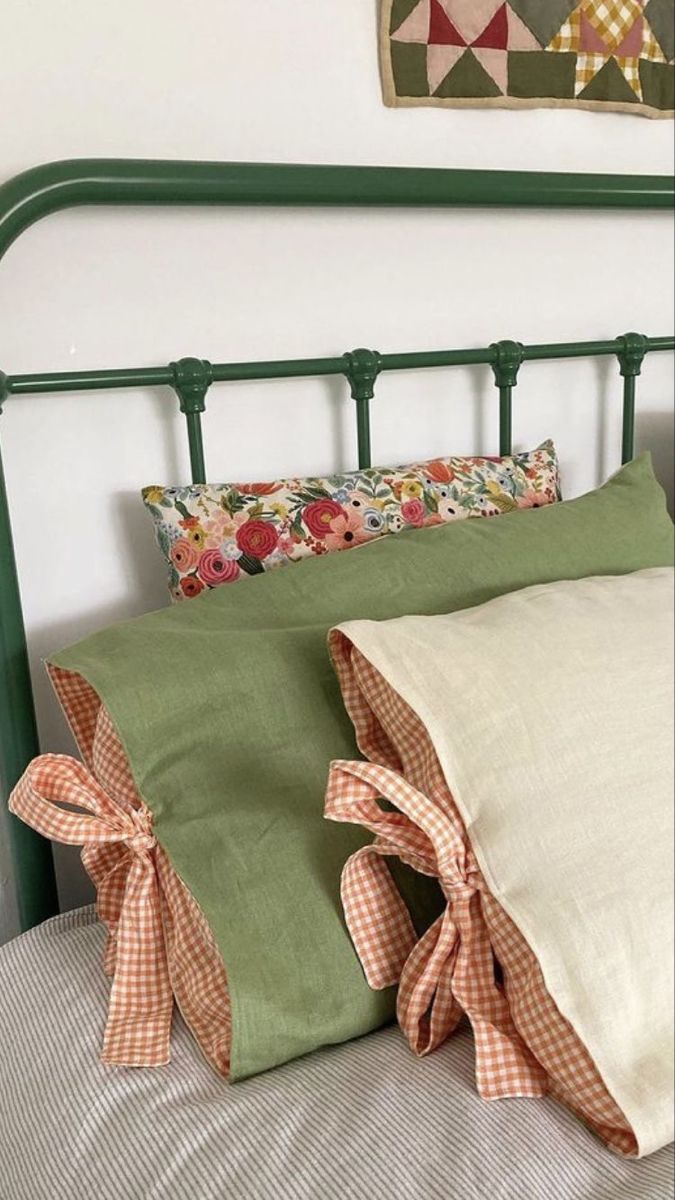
column 122, row 857
column 450, row 970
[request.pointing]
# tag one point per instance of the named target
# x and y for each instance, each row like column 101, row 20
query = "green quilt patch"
column 615, row 55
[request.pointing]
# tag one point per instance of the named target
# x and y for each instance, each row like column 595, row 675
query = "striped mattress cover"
column 363, row 1120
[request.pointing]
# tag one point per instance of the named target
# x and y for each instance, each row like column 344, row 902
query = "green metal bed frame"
column 55, row 186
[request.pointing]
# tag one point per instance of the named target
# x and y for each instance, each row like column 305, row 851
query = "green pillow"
column 230, row 714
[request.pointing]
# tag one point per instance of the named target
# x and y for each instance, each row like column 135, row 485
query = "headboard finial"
column 363, row 368
column 507, row 362
column 192, row 379
column 634, row 346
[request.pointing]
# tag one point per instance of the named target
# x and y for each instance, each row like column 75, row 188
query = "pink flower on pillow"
column 257, row 538
column 214, row 568
column 414, row 513
column 191, row 586
column 347, row 531
column 533, row 499
column 319, row 516
column 184, row 555
column 218, row 528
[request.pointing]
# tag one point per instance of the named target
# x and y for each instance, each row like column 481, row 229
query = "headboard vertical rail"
column 363, row 368
column 631, row 357
column 192, row 379
column 506, row 365
column 32, row 855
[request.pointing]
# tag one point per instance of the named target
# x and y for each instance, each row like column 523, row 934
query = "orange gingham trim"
column 451, row 969
column 392, row 736
column 159, row 947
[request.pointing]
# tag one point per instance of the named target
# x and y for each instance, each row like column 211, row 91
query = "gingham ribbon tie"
column 61, row 799
column 450, row 969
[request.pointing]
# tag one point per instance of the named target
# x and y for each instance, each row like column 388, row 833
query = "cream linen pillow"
column 551, row 713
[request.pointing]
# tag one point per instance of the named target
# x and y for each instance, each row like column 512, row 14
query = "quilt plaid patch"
column 612, row 55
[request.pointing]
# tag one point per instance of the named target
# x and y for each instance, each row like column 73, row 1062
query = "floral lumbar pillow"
column 219, row 533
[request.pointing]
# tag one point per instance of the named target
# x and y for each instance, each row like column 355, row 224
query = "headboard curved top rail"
column 107, row 181
column 52, row 187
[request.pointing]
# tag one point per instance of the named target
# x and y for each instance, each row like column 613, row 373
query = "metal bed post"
column 508, row 358
column 363, row 368
column 634, row 346
column 192, row 378
column 37, row 895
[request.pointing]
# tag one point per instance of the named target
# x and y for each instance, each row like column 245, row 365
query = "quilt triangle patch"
column 442, row 32
column 651, row 49
column 415, row 27
column 543, row 17
column 520, row 37
column 440, row 60
column 471, row 17
column 495, row 36
column 610, row 83
column 495, row 62
column 659, row 15
column 568, row 38
column 400, row 11
column 613, row 21
column 630, row 69
column 631, row 46
column 468, row 79
column 590, row 41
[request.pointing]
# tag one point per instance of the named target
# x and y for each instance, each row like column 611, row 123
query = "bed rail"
column 47, row 189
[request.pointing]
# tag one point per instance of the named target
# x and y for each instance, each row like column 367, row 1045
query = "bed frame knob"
column 363, row 368
column 631, row 356
column 192, row 378
column 507, row 362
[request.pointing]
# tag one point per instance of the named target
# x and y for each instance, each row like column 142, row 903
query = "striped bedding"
column 363, row 1120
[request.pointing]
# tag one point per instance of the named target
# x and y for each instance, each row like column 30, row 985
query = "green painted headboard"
column 47, row 189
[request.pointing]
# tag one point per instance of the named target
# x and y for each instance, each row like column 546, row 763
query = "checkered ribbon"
column 450, row 970
column 122, row 857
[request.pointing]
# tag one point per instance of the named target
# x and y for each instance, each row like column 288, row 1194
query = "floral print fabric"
column 212, row 534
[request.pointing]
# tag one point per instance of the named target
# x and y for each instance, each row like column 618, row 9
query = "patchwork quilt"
column 598, row 54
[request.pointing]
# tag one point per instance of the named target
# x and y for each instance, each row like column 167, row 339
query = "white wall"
column 291, row 82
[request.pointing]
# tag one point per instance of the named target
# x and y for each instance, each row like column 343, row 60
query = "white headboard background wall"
column 296, row 83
